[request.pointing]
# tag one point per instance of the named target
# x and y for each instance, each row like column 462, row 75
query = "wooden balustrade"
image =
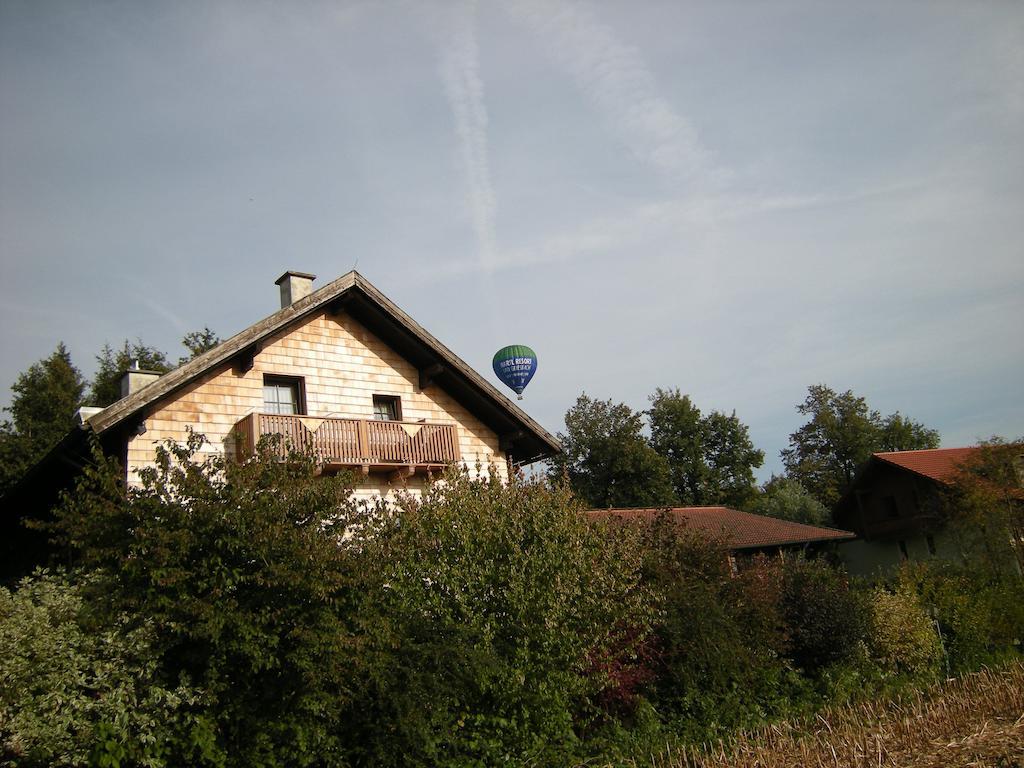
column 364, row 443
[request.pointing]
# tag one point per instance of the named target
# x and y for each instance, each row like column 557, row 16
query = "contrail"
column 616, row 80
column 460, row 71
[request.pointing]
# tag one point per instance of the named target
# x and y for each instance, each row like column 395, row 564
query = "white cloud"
column 460, row 72
column 617, row 81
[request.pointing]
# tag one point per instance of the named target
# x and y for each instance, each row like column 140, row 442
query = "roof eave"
column 542, row 445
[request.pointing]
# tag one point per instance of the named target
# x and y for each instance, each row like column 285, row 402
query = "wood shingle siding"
column 342, row 365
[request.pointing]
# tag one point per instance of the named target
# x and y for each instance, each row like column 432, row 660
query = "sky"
column 738, row 199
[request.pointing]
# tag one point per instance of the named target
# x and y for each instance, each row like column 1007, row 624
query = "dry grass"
column 976, row 720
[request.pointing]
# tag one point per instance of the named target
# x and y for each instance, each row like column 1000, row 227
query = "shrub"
column 495, row 617
column 242, row 573
column 718, row 636
column 903, row 637
column 980, row 613
column 74, row 692
column 827, row 622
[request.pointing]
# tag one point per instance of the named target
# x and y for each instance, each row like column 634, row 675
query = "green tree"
column 198, row 342
column 45, row 398
column 711, row 458
column 984, row 502
column 607, row 460
column 899, row 433
column 111, row 365
column 841, row 434
column 785, row 499
column 243, row 572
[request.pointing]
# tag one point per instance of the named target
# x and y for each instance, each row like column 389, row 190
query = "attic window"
column 283, row 394
column 387, row 408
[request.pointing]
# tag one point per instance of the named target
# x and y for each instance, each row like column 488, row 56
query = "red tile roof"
column 939, row 464
column 741, row 530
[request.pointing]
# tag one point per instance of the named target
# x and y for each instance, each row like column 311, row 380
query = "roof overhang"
column 520, row 436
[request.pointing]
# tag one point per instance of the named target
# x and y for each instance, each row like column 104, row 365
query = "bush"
column 495, row 618
column 903, row 637
column 827, row 622
column 719, row 637
column 74, row 692
column 242, row 573
column 980, row 613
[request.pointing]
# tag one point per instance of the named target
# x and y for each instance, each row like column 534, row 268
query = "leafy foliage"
column 74, row 692
column 494, row 616
column 45, row 398
column 903, row 638
column 840, row 435
column 984, row 503
column 786, row 499
column 111, row 364
column 711, row 458
column 827, row 621
column 607, row 460
column 719, row 638
column 980, row 613
column 241, row 570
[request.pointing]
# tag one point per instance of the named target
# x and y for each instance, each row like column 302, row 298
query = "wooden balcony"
column 404, row 447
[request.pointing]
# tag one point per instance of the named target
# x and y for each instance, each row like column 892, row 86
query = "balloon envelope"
column 515, row 366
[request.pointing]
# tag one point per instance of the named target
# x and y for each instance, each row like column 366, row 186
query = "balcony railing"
column 363, row 443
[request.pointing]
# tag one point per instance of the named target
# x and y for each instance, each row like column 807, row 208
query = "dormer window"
column 387, row 408
column 283, row 394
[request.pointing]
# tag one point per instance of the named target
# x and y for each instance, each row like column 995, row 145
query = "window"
column 930, row 541
column 891, row 509
column 283, row 394
column 904, row 555
column 387, row 408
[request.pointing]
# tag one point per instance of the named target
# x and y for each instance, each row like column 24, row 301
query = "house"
column 896, row 503
column 744, row 533
column 340, row 370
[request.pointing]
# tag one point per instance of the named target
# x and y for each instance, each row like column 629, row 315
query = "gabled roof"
column 740, row 530
column 939, row 464
column 352, row 293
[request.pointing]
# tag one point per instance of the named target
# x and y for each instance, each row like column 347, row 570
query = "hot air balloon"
column 515, row 366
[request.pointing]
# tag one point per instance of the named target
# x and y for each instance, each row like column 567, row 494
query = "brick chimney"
column 295, row 286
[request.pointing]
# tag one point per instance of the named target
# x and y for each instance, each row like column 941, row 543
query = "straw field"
column 975, row 720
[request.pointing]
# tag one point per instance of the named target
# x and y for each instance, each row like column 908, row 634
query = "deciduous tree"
column 607, row 460
column 785, row 499
column 840, row 435
column 711, row 458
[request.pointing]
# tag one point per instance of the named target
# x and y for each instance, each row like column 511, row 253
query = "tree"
column 198, row 342
column 842, row 433
column 901, row 434
column 45, row 398
column 985, row 501
column 711, row 458
column 785, row 499
column 606, row 459
column 106, row 384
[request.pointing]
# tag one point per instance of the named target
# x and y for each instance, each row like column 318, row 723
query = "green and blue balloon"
column 515, row 366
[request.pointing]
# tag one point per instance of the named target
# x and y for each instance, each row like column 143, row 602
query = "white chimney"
column 135, row 379
column 295, row 286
